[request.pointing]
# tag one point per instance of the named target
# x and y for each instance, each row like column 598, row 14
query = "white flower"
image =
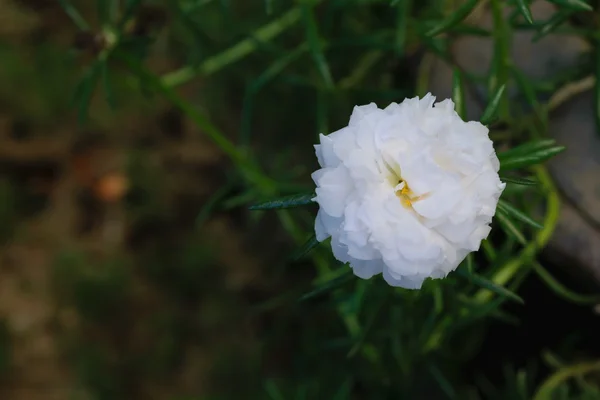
column 407, row 191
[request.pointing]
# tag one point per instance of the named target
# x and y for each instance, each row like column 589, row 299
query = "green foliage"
column 296, row 69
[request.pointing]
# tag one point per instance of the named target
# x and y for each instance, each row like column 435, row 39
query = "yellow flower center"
column 406, row 195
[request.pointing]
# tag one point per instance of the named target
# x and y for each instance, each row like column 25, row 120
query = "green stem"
column 235, row 53
column 547, row 389
column 239, row 158
column 562, row 290
column 501, row 56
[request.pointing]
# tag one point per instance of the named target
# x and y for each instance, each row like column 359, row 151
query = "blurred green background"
column 130, row 266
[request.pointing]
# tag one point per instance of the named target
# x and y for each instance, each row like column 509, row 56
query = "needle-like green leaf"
column 577, row 5
column 491, row 286
column 402, row 21
column 442, row 381
column 531, row 158
column 492, row 107
column 519, row 181
column 455, row 18
column 269, row 7
column 306, row 248
column 549, row 26
column 295, row 200
column 316, row 47
column 85, row 89
column 515, row 213
column 509, row 227
column 329, row 286
column 74, row 14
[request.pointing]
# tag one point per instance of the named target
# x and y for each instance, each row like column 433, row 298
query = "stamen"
column 406, row 195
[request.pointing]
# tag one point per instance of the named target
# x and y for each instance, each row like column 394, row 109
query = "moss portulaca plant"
column 407, row 191
column 410, row 190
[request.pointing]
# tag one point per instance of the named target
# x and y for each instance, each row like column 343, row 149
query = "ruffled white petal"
column 407, row 191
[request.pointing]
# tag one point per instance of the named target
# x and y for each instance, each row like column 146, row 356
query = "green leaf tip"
column 492, row 107
column 524, row 10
